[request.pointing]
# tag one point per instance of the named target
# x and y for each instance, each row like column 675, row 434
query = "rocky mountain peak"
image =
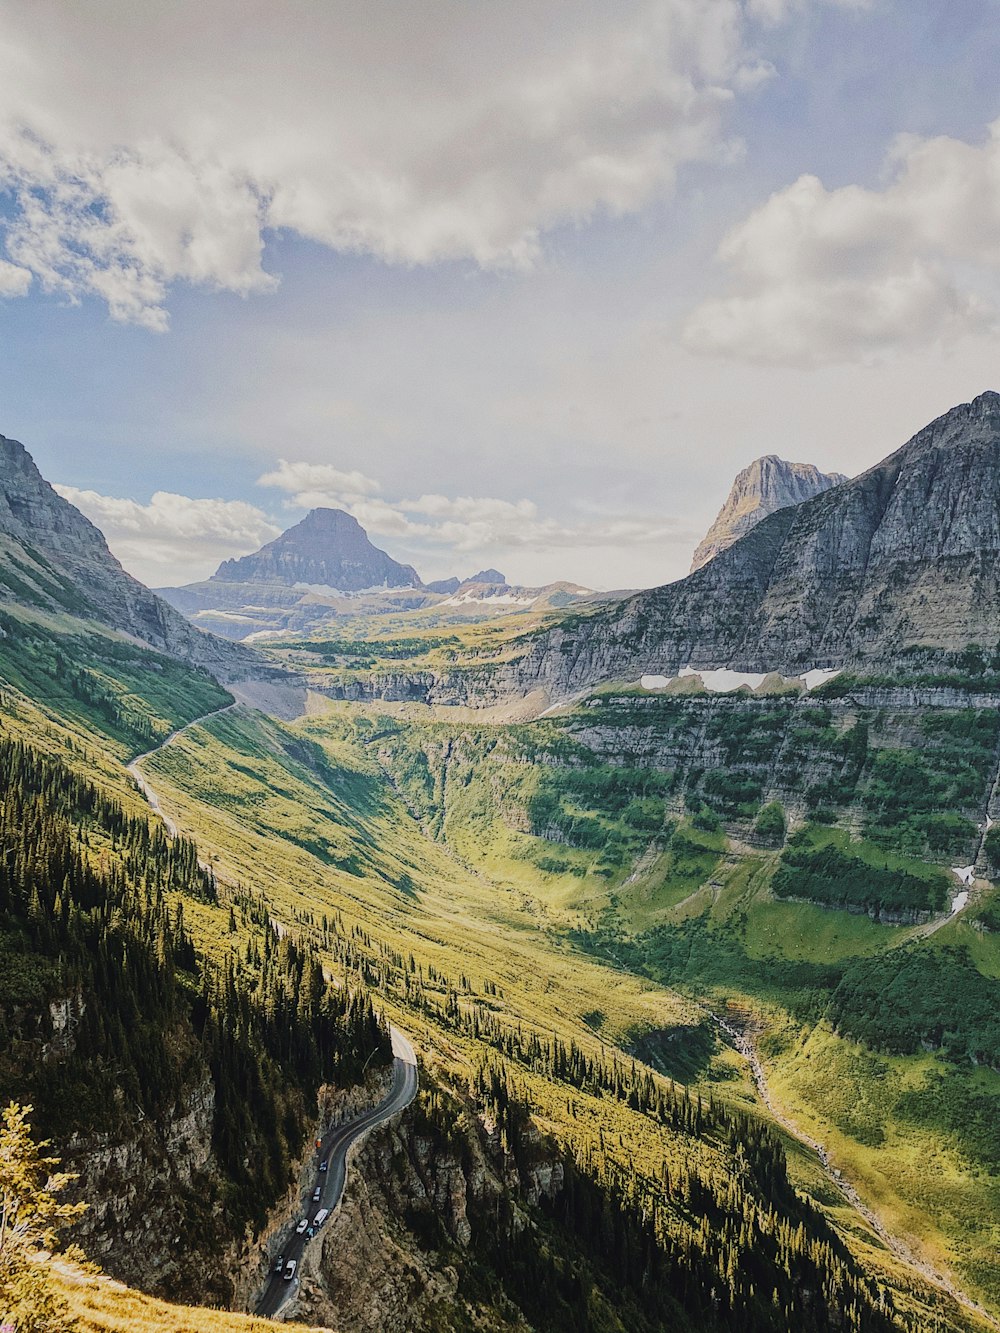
column 328, row 548
column 767, row 485
column 488, row 576
column 903, row 558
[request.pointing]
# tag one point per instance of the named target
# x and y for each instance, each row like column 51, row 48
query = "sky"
column 521, row 285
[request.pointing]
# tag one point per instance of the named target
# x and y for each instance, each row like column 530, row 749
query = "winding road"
column 336, row 1144
column 143, row 784
column 334, row 1149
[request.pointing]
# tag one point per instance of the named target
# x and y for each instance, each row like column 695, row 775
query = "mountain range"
column 621, row 937
column 325, row 568
column 905, row 556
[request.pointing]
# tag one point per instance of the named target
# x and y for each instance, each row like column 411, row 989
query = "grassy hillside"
column 517, row 895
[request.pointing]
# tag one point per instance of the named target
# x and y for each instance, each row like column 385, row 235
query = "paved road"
column 143, row 784
column 334, row 1149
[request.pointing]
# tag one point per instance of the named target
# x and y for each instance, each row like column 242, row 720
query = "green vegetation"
column 522, row 898
column 913, row 794
column 93, row 929
column 771, row 825
column 130, row 694
column 914, row 997
column 764, row 1259
column 31, row 1219
column 827, row 874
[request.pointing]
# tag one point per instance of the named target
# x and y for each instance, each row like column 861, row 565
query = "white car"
column 300, row 1229
column 317, row 1194
column 290, row 1270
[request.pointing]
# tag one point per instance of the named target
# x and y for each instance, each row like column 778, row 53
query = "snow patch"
column 818, row 676
column 959, row 901
column 495, row 599
column 965, row 873
column 724, row 680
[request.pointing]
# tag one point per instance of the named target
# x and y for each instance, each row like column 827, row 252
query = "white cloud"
column 14, row 281
column 319, row 479
column 778, row 11
column 146, row 145
column 479, row 527
column 834, row 275
column 173, row 539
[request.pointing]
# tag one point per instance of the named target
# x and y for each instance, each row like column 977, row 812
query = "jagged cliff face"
column 906, row 554
column 329, row 549
column 767, row 485
column 54, row 559
column 417, row 1211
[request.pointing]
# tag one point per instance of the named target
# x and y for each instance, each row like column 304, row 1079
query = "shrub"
column 771, row 825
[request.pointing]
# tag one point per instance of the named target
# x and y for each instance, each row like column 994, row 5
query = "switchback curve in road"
column 334, row 1150
column 337, row 1142
column 143, row 784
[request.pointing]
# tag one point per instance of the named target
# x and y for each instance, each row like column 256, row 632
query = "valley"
column 704, row 1015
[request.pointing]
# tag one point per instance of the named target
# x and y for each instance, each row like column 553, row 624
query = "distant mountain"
column 451, row 585
column 54, row 559
column 325, row 568
column 328, row 549
column 767, row 485
column 906, row 555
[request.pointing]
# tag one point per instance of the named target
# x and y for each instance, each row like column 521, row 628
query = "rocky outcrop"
column 145, row 1191
column 54, row 559
column 419, row 1206
column 329, row 549
column 767, row 485
column 907, row 554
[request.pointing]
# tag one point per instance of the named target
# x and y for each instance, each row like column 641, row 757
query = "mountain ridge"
column 54, row 559
column 906, row 554
column 328, row 548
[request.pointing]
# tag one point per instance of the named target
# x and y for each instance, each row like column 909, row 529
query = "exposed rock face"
column 445, row 586
column 411, row 1220
column 487, row 576
column 906, row 554
column 328, row 548
column 53, row 558
column 142, row 1192
column 768, row 484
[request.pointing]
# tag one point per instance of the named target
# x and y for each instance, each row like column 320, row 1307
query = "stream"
column 742, row 1039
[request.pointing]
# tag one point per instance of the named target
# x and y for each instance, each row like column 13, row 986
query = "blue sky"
column 523, row 286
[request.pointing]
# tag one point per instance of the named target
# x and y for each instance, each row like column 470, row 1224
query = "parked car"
column 324, row 1166
column 279, row 1263
column 290, row 1270
column 321, row 1217
column 300, row 1229
column 317, row 1193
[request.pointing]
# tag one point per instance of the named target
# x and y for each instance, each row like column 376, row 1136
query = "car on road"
column 279, row 1263
column 321, row 1217
column 324, row 1166
column 317, row 1193
column 290, row 1268
column 300, row 1229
